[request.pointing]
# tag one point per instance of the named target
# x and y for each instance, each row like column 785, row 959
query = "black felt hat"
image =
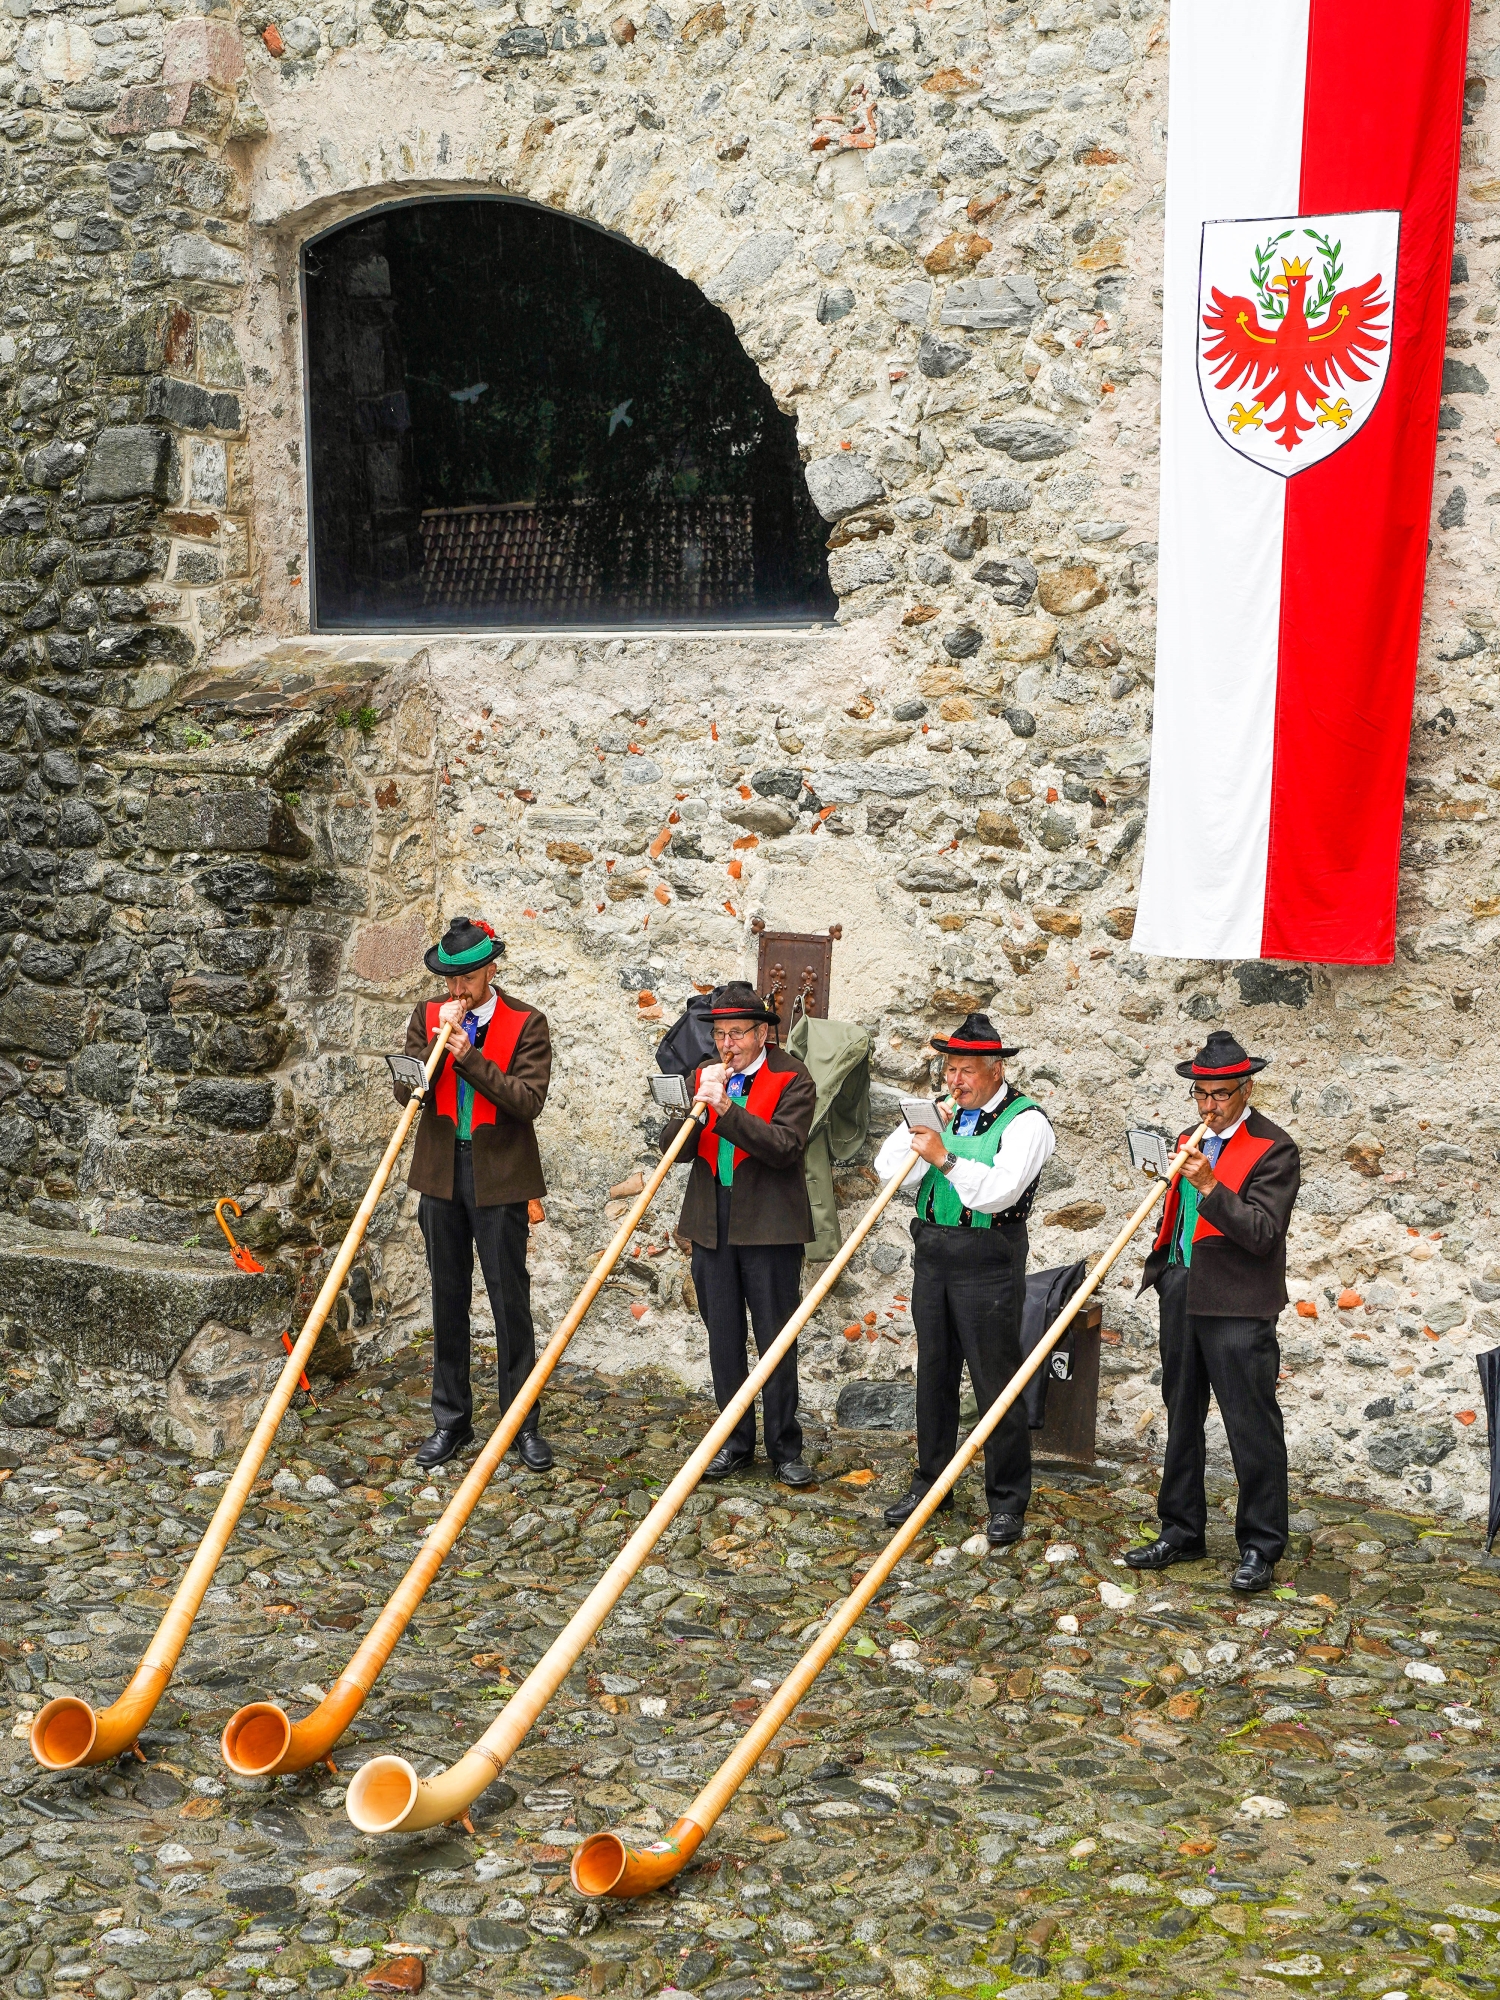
column 467, row 944
column 1222, row 1058
column 975, row 1035
column 738, row 1000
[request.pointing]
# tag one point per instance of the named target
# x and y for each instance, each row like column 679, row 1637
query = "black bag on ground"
column 1489, row 1379
column 1047, row 1292
column 689, row 1043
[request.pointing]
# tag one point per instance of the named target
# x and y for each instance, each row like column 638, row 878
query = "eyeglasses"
column 1216, row 1096
column 734, row 1034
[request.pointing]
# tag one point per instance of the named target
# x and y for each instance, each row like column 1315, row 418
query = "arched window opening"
column 515, row 418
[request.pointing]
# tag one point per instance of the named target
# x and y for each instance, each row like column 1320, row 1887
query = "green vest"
column 936, row 1198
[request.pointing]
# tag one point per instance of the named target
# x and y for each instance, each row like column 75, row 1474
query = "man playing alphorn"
column 975, row 1187
column 747, row 1212
column 1219, row 1268
column 476, row 1166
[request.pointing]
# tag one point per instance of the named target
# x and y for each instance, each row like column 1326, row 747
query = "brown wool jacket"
column 507, row 1165
column 769, row 1201
column 1241, row 1272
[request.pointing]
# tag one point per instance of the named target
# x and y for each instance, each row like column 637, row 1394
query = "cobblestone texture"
column 1022, row 1773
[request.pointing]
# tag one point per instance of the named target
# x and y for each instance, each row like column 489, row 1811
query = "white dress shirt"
column 1026, row 1145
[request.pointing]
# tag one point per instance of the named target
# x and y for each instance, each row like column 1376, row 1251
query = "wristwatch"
column 949, row 1162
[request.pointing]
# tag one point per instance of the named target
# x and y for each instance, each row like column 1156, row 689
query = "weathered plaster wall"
column 940, row 240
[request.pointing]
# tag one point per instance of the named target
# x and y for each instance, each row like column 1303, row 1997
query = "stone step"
column 108, row 1303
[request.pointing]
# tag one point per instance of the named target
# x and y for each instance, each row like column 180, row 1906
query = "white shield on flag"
column 1294, row 331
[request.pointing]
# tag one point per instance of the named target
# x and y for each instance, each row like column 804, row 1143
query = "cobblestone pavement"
column 1016, row 1777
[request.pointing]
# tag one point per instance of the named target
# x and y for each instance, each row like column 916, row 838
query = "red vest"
column 761, row 1100
column 1235, row 1162
column 500, row 1040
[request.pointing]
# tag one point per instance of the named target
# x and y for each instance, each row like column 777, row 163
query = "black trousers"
column 453, row 1231
column 766, row 1278
column 968, row 1286
column 1239, row 1360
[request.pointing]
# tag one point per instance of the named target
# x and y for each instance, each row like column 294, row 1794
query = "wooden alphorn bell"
column 604, row 1865
column 68, row 1732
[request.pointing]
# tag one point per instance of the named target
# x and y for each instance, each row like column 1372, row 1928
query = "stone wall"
column 104, row 1337
column 938, row 234
column 211, row 954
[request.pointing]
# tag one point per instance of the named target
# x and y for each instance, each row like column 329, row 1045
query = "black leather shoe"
column 903, row 1509
column 1254, row 1572
column 726, row 1461
column 1161, row 1554
column 1004, row 1529
column 536, row 1453
column 796, row 1472
column 443, row 1445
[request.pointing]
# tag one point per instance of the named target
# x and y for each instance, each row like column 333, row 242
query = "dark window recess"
column 517, row 419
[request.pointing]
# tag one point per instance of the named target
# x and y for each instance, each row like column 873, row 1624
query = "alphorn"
column 68, row 1732
column 603, row 1865
column 386, row 1795
column 260, row 1741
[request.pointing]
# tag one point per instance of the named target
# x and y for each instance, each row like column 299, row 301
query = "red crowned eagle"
column 1294, row 362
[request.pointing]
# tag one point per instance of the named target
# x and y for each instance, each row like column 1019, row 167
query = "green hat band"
column 477, row 954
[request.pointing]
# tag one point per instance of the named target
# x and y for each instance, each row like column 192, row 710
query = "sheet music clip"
column 1150, row 1150
column 411, row 1071
column 671, row 1092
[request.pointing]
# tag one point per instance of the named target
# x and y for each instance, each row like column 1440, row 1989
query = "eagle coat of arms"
column 1292, row 367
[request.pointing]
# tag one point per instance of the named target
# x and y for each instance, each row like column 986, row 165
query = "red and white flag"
column 1312, row 172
